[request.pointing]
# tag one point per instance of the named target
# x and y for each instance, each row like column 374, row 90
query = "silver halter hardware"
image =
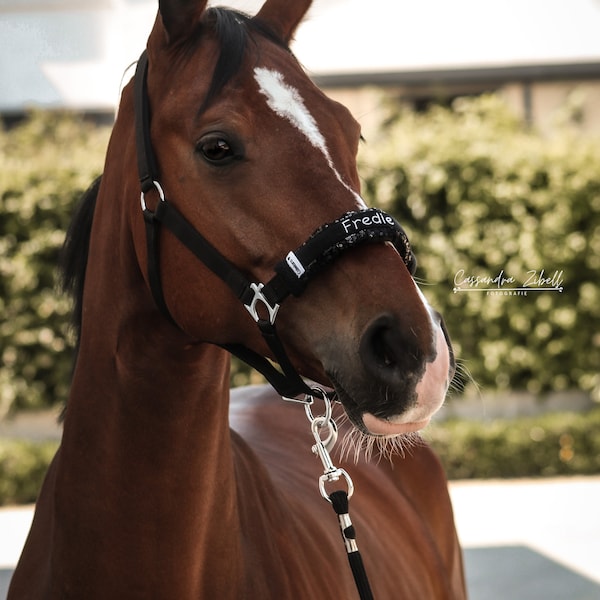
column 259, row 296
column 324, row 445
column 161, row 195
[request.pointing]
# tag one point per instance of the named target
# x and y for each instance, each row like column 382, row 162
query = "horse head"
column 257, row 158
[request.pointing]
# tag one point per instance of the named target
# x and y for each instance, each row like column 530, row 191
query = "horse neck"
column 146, row 462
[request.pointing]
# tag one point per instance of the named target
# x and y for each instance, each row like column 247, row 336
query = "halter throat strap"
column 292, row 274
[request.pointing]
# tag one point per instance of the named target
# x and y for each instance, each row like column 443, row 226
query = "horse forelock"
column 233, row 32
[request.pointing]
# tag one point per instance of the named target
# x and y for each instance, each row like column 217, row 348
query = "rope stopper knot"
column 339, row 502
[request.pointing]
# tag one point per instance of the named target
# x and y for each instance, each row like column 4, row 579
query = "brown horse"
column 151, row 494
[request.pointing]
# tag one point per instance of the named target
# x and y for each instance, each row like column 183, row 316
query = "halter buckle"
column 259, row 296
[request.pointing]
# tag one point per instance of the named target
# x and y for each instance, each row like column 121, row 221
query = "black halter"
column 292, row 274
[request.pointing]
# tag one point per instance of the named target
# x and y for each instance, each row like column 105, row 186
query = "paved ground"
column 523, row 539
column 530, row 539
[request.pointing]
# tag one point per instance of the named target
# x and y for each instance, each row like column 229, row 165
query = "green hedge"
column 475, row 190
column 45, row 165
column 551, row 445
column 23, row 466
column 480, row 194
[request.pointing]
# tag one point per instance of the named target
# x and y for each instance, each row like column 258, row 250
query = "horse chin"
column 389, row 428
column 421, row 402
column 413, row 419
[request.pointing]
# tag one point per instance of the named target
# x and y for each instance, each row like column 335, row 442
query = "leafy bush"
column 45, row 165
column 554, row 444
column 551, row 445
column 23, row 466
column 475, row 190
column 480, row 194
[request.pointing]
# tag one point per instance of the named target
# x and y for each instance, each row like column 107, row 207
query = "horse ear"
column 180, row 16
column 284, row 16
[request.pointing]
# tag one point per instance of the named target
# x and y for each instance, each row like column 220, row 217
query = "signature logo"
column 502, row 284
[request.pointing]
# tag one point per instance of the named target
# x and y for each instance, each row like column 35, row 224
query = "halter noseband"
column 292, row 274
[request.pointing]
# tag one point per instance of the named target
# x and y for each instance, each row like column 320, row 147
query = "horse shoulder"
column 401, row 510
column 421, row 479
column 33, row 577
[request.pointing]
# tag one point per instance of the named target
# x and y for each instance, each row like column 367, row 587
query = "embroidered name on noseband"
column 292, row 274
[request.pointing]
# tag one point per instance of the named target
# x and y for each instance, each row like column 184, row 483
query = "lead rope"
column 339, row 499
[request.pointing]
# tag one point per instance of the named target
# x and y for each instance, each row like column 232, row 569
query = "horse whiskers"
column 421, row 282
column 356, row 443
column 462, row 378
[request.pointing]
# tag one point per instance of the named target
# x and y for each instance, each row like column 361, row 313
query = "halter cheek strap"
column 292, row 274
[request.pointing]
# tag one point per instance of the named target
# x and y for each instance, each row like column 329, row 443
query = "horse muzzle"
column 399, row 387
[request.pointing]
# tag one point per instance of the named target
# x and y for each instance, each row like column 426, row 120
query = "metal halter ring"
column 161, row 195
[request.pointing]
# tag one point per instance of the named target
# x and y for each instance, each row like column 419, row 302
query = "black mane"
column 74, row 255
column 233, row 31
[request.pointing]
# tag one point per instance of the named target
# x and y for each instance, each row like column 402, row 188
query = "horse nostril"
column 382, row 350
column 393, row 362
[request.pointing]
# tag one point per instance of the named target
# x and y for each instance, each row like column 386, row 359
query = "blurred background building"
column 541, row 55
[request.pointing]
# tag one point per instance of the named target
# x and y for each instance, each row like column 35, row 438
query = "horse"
column 227, row 167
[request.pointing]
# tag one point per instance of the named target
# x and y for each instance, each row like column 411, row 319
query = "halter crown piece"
column 292, row 274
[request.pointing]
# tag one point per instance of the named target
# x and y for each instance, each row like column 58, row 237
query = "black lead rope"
column 325, row 433
column 339, row 501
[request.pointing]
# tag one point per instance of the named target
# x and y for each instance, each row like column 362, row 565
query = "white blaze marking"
column 287, row 102
column 433, row 319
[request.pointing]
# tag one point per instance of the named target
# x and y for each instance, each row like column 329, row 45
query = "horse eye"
column 215, row 149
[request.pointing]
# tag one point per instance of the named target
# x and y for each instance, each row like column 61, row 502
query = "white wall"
column 69, row 54
column 73, row 53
